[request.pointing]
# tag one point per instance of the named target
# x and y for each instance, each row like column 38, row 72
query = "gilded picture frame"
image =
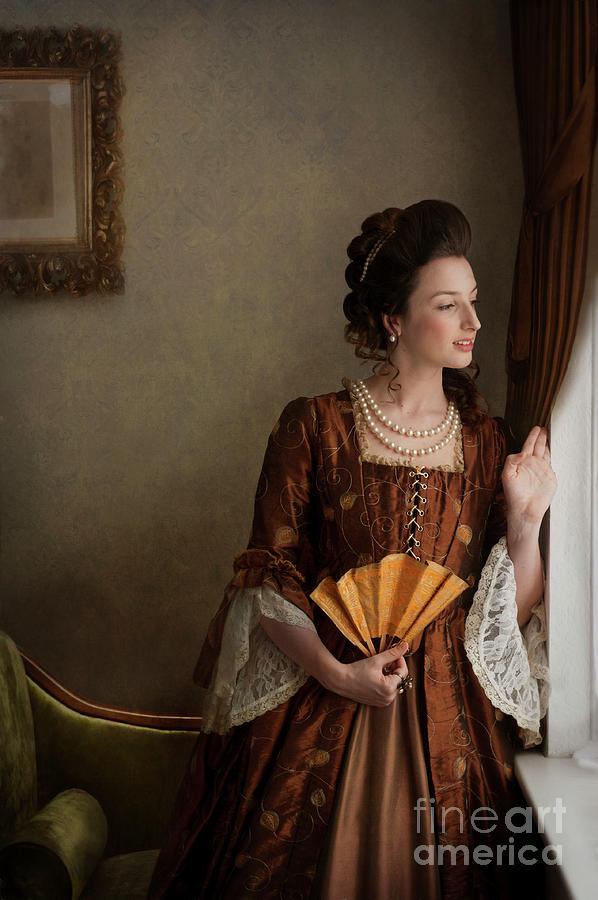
column 61, row 186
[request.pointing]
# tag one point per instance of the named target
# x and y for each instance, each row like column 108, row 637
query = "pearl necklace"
column 368, row 406
column 451, row 411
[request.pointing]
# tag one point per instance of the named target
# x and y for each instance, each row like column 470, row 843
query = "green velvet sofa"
column 85, row 790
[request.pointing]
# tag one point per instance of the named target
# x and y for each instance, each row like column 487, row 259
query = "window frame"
column 571, row 559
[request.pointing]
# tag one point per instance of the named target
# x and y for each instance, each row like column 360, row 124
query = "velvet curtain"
column 554, row 58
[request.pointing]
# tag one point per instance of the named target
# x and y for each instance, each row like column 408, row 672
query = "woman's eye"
column 447, row 306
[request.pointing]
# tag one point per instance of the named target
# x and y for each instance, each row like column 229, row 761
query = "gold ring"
column 405, row 682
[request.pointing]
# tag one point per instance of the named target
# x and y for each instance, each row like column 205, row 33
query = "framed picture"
column 60, row 162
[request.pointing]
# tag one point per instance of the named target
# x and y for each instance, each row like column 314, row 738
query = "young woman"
column 319, row 775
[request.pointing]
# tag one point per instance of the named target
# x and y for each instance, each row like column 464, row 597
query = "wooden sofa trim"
column 97, row 710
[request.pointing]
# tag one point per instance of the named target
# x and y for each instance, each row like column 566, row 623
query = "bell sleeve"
column 509, row 662
column 241, row 672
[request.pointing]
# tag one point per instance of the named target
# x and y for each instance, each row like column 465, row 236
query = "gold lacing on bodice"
column 415, row 500
column 366, row 456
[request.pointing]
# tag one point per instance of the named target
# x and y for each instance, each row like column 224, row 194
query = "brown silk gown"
column 324, row 798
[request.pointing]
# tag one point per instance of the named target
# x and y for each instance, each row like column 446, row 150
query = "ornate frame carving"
column 92, row 261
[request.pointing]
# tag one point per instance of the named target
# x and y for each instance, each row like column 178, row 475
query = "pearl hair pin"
column 369, row 408
column 371, row 255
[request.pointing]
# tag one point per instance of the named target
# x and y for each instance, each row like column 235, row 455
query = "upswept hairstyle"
column 382, row 274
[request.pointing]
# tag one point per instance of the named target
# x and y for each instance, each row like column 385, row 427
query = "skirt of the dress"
column 382, row 812
column 324, row 799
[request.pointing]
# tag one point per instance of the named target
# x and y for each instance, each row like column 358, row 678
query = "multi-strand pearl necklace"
column 370, row 409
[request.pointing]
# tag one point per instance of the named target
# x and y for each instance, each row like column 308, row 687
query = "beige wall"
column 259, row 134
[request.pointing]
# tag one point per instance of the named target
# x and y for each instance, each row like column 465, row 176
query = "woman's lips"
column 465, row 347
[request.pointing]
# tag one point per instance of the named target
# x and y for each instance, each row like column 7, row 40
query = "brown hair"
column 383, row 279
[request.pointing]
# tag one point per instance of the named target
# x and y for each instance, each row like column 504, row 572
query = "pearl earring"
column 391, row 338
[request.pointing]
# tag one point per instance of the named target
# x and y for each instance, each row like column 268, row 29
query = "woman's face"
column 440, row 324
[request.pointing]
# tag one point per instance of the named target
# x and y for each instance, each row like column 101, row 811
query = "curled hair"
column 385, row 260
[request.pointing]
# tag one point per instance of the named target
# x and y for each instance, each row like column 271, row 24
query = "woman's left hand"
column 528, row 479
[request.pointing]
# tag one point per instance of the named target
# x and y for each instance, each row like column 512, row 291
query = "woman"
column 319, row 775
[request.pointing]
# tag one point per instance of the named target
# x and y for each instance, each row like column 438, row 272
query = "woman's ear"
column 391, row 324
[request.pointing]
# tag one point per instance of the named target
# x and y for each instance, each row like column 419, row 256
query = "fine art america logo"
column 484, row 820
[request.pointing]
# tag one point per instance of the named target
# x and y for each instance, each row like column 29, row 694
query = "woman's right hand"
column 375, row 680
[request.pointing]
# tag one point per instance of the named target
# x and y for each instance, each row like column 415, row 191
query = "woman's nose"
column 470, row 320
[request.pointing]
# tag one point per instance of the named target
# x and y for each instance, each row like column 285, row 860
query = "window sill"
column 544, row 779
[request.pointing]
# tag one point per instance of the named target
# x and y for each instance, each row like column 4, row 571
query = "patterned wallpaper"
column 258, row 135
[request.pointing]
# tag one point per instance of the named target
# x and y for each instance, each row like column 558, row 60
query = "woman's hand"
column 528, row 480
column 375, row 680
column 529, row 485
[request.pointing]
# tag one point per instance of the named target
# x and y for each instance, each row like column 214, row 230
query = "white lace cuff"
column 252, row 675
column 510, row 663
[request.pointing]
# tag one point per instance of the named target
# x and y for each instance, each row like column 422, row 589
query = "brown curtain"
column 554, row 59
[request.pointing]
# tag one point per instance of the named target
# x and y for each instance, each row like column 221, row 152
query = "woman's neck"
column 409, row 394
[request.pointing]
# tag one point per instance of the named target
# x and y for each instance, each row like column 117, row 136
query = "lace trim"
column 252, row 676
column 510, row 663
column 366, row 456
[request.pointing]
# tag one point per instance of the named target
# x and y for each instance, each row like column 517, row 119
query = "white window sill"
column 544, row 779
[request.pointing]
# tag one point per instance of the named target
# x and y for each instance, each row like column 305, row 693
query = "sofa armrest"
column 54, row 853
column 133, row 770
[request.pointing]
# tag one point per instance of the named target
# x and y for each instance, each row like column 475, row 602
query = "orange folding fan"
column 394, row 598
